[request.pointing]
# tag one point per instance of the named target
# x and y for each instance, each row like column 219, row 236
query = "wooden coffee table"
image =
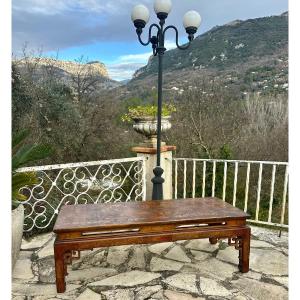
column 82, row 227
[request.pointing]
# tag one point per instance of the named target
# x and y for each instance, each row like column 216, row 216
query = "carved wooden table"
column 82, row 227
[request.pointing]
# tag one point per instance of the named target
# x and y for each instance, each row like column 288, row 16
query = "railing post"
column 166, row 163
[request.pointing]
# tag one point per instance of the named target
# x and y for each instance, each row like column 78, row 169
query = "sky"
column 102, row 29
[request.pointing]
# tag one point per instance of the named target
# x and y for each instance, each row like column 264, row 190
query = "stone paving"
column 183, row 270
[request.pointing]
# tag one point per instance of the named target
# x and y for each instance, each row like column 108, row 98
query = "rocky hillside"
column 67, row 70
column 250, row 55
column 224, row 46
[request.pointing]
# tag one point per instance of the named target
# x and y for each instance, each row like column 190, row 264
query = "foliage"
column 21, row 155
column 147, row 111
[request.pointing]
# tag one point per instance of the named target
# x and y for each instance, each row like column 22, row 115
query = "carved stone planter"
column 147, row 126
column 17, row 220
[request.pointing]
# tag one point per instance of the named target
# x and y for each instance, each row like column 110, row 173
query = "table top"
column 151, row 212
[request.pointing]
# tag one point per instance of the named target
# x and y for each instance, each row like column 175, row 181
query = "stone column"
column 166, row 164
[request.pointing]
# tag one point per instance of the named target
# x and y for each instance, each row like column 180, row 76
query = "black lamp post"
column 191, row 21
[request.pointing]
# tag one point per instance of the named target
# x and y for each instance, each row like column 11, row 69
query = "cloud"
column 125, row 65
column 61, row 24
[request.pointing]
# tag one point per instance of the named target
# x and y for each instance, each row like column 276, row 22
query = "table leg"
column 60, row 269
column 244, row 252
column 213, row 240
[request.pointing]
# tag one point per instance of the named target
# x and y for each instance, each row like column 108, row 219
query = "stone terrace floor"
column 183, row 270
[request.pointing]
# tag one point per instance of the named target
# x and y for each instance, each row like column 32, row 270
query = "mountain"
column 67, row 70
column 252, row 53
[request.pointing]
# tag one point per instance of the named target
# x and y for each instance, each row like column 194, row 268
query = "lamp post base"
column 157, row 192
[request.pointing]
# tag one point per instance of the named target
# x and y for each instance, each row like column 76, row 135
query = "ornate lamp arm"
column 191, row 37
column 139, row 33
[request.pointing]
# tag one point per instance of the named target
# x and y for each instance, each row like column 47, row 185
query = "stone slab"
column 159, row 248
column 200, row 255
column 90, row 273
column 89, row 295
column 158, row 264
column 172, row 295
column 146, row 292
column 127, row 279
column 23, row 270
column 176, row 253
column 119, row 294
column 47, row 249
column 268, row 261
column 282, row 280
column 202, row 244
column 137, row 261
column 260, row 290
column 29, row 289
column 186, row 282
column 211, row 287
column 116, row 256
column 229, row 254
column 36, row 242
column 213, row 268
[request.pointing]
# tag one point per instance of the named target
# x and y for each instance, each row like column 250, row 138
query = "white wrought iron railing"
column 257, row 187
column 117, row 180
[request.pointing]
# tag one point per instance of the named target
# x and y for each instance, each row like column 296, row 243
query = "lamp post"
column 140, row 16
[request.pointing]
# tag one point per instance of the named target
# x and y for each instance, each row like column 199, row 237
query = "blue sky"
column 102, row 29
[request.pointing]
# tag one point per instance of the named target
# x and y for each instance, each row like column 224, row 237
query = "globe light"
column 140, row 16
column 191, row 21
column 162, row 7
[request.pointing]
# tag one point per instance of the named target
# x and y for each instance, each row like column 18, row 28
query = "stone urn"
column 17, row 221
column 147, row 126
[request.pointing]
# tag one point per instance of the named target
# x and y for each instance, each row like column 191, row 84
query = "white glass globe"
column 162, row 6
column 140, row 12
column 191, row 19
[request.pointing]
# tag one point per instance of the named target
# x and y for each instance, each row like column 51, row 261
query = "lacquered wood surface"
column 118, row 215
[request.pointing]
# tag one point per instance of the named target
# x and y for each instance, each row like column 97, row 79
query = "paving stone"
column 186, row 282
column 89, row 258
column 159, row 248
column 260, row 290
column 158, row 296
column 230, row 254
column 199, row 255
column 46, row 270
column 271, row 236
column 119, row 294
column 213, row 288
column 239, row 297
column 23, row 270
column 47, row 249
column 212, row 268
column 138, row 259
column 116, row 256
column 282, row 280
column 24, row 254
column 146, row 292
column 251, row 274
column 129, row 279
column 180, row 242
column 172, row 295
column 260, row 244
column 202, row 244
column 36, row 242
column 176, row 253
column 90, row 273
column 89, row 295
column 37, row 289
column 158, row 264
column 18, row 298
column 268, row 262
